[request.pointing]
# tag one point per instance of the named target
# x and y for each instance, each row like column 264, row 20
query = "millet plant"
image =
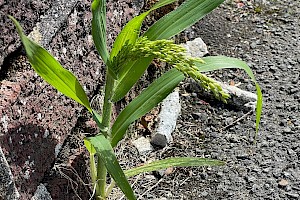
column 131, row 54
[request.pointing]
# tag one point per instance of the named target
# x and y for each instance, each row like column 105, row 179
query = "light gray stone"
column 196, row 48
column 8, row 189
column 239, row 97
column 167, row 117
column 41, row 193
column 143, row 145
column 50, row 23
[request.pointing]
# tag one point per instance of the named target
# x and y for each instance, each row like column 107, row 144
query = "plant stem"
column 110, row 187
column 101, row 177
column 106, row 118
column 107, row 104
column 93, row 170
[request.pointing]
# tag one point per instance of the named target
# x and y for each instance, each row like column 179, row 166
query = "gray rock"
column 239, row 97
column 292, row 195
column 8, row 189
column 52, row 21
column 287, row 130
column 167, row 117
column 196, row 48
column 143, row 145
column 41, row 193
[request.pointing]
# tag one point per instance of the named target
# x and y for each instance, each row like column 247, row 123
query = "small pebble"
column 283, row 183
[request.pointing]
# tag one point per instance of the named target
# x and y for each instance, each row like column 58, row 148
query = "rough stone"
column 8, row 189
column 167, row 117
column 41, row 193
column 37, row 116
column 143, row 145
column 196, row 48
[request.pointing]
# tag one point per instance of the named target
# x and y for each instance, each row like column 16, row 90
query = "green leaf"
column 51, row 71
column 92, row 151
column 173, row 162
column 183, row 17
column 222, row 62
column 129, row 34
column 106, row 153
column 162, row 3
column 99, row 28
column 98, row 119
column 131, row 73
column 142, row 104
column 89, row 146
column 187, row 14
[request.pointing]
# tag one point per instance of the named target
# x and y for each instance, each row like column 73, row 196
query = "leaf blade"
column 142, row 104
column 105, row 151
column 131, row 30
column 183, row 17
column 173, row 162
column 99, row 28
column 129, row 76
column 223, row 62
column 51, row 71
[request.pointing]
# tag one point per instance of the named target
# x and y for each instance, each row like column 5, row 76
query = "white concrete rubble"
column 170, row 110
column 143, row 145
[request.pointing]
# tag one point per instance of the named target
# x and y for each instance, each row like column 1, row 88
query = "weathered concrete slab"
column 170, row 110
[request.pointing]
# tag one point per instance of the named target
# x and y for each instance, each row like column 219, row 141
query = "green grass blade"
column 99, row 28
column 129, row 34
column 51, row 71
column 222, row 62
column 88, row 145
column 92, row 151
column 129, row 76
column 131, row 30
column 162, row 3
column 142, row 104
column 183, row 17
column 173, row 162
column 106, row 153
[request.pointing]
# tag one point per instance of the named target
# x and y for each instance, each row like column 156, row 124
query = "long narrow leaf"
column 105, row 151
column 173, row 162
column 183, row 17
column 142, row 104
column 136, row 69
column 99, row 28
column 222, row 62
column 93, row 168
column 51, row 71
column 129, row 34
